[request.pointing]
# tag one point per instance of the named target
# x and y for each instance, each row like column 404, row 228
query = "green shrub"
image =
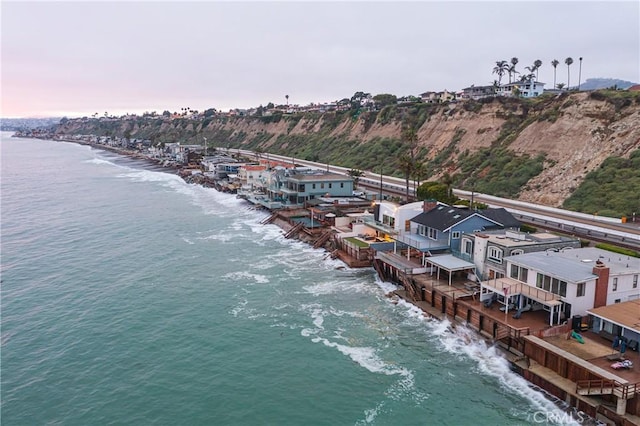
column 616, row 249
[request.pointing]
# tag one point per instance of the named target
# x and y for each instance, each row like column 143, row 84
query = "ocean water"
column 130, row 297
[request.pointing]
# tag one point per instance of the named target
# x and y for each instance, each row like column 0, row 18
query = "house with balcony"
column 565, row 283
column 436, row 234
column 296, row 186
column 487, row 249
column 523, row 89
column 440, row 227
column 478, row 92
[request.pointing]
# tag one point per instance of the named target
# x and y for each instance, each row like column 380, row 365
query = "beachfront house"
column 487, row 249
column 295, row 186
column 619, row 319
column 565, row 283
column 440, row 227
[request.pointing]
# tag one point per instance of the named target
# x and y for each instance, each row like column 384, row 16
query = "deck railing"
column 607, row 386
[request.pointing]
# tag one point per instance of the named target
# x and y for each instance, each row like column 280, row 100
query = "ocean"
column 130, row 297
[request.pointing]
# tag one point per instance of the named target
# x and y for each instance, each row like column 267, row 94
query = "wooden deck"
column 595, row 350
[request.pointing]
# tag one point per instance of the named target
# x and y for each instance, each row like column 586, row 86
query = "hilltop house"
column 478, row 92
column 523, row 89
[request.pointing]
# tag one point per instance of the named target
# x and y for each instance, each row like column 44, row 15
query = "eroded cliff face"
column 576, row 133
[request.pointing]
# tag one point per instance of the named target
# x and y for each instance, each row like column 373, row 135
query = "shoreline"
column 521, row 365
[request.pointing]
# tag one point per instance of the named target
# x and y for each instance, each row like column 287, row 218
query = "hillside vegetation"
column 579, row 150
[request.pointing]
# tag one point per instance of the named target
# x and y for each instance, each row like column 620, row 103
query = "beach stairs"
column 323, row 238
column 269, row 219
column 607, row 387
column 293, row 231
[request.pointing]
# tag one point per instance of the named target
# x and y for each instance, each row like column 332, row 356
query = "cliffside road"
column 590, row 227
column 579, row 224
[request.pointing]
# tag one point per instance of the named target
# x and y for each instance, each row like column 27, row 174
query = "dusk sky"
column 79, row 58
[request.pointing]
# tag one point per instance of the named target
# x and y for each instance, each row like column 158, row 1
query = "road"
column 581, row 225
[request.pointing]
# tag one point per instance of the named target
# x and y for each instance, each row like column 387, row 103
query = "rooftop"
column 564, row 268
column 626, row 314
column 617, row 263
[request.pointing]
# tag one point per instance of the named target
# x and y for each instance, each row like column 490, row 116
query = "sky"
column 83, row 57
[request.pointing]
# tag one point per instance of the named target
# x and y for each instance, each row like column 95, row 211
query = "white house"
column 523, row 89
column 396, row 218
column 566, row 283
column 623, row 271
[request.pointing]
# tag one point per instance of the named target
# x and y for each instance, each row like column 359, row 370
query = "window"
column 301, row 187
column 495, row 254
column 322, row 185
column 455, row 235
column 515, row 252
column 552, row 285
column 313, row 185
column 388, row 220
column 422, row 230
column 616, row 301
column 635, row 281
column 580, row 291
column 519, row 273
column 407, row 225
column 433, row 234
column 341, row 184
column 467, row 246
column 330, row 185
column 615, row 284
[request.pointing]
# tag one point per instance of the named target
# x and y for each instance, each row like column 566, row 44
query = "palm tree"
column 500, row 68
column 405, row 164
column 447, row 179
column 560, row 86
column 568, row 61
column 419, row 173
column 287, row 96
column 537, row 63
column 514, row 62
column 554, row 64
column 579, row 73
column 512, row 70
column 407, row 160
column 356, row 175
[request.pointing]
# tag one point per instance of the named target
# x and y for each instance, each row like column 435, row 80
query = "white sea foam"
column 365, row 357
column 462, row 341
column 335, row 286
column 101, row 161
column 241, row 307
column 219, row 237
column 386, row 286
column 188, row 241
column 244, row 276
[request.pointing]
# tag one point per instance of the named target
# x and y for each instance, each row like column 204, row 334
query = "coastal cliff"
column 540, row 150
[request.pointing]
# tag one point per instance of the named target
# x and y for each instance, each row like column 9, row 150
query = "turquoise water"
column 131, row 297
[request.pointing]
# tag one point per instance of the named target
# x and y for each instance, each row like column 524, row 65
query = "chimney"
column 602, row 284
column 429, row 205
